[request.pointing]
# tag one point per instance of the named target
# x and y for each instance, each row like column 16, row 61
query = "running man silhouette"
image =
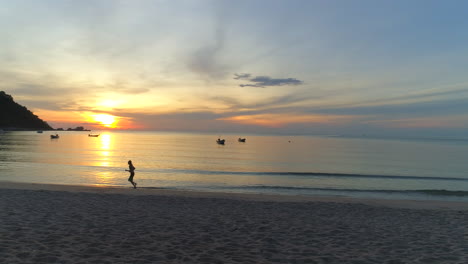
column 131, row 169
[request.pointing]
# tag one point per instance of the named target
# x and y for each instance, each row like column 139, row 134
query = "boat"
column 241, row 139
column 220, row 141
column 54, row 136
column 93, row 135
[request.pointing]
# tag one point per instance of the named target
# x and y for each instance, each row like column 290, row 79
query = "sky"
column 335, row 67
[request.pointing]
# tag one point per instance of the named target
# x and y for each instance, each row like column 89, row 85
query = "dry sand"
column 80, row 224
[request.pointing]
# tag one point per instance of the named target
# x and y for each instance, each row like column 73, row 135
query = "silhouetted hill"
column 17, row 117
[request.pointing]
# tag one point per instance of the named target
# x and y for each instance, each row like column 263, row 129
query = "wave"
column 431, row 192
column 319, row 174
column 313, row 190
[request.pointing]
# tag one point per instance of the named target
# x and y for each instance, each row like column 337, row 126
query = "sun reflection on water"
column 104, row 178
column 106, row 141
column 104, row 159
column 103, row 151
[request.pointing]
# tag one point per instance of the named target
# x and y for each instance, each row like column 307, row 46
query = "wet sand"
column 83, row 224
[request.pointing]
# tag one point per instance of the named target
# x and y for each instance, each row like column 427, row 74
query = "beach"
column 85, row 224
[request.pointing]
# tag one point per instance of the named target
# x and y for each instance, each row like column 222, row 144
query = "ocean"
column 389, row 168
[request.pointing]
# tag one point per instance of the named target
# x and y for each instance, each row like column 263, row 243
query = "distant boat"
column 220, row 141
column 54, row 136
column 93, row 135
column 241, row 139
column 39, row 131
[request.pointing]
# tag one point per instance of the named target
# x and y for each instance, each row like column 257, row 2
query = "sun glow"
column 109, row 103
column 280, row 120
column 106, row 120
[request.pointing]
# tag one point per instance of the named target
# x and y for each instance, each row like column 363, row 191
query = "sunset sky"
column 268, row 66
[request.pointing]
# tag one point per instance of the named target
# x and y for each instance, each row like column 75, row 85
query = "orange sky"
column 286, row 67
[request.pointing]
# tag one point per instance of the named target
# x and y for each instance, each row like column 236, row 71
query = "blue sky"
column 333, row 67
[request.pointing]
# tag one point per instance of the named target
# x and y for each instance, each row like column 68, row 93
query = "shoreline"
column 44, row 223
column 99, row 189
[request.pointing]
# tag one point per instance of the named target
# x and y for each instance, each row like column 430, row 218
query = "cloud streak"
column 206, row 61
column 265, row 81
column 430, row 108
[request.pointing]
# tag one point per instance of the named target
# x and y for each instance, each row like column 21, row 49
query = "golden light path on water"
column 270, row 164
column 103, row 146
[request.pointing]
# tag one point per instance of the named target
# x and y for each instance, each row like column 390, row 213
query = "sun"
column 106, row 120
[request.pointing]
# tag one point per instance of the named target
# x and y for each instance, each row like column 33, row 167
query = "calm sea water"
column 290, row 165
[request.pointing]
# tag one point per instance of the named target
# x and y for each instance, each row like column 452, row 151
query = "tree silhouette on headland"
column 14, row 116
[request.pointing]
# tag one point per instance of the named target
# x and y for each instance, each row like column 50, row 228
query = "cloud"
column 242, row 76
column 134, row 90
column 458, row 91
column 281, row 119
column 206, row 60
column 38, row 90
column 287, row 103
column 264, row 81
column 427, row 108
